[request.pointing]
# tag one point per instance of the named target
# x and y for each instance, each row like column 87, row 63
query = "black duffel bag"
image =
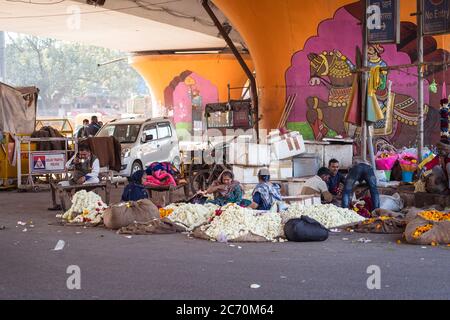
column 305, row 229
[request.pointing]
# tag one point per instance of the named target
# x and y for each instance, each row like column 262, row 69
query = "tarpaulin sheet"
column 17, row 109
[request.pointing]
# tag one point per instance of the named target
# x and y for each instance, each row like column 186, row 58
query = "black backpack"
column 305, row 229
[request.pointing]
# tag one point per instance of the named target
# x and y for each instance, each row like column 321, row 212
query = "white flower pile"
column 87, row 206
column 191, row 215
column 235, row 222
column 328, row 215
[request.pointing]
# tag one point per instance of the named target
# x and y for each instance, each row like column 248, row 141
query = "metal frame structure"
column 248, row 72
column 27, row 140
column 65, row 124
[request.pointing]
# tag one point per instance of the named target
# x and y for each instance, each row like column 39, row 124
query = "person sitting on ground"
column 361, row 172
column 85, row 166
column 317, row 185
column 135, row 190
column 265, row 194
column 94, row 127
column 226, row 190
column 336, row 182
column 84, row 130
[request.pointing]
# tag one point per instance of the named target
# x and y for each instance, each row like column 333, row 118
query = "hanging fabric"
column 374, row 112
column 353, row 111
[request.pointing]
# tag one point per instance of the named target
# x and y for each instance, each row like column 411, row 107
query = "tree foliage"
column 64, row 70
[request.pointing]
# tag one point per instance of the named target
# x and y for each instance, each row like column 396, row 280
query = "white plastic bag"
column 381, row 176
column 391, row 203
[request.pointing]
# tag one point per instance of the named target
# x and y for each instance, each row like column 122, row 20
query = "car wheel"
column 136, row 167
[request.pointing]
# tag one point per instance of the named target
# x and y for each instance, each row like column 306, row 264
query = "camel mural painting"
column 321, row 77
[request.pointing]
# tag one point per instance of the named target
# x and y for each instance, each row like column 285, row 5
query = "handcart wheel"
column 199, row 181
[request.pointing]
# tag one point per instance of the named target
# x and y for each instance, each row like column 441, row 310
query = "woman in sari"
column 265, row 194
column 226, row 190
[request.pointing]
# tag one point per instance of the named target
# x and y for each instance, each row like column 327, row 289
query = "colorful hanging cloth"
column 374, row 112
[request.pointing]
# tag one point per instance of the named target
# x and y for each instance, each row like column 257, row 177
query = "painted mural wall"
column 321, row 78
column 186, row 97
column 182, row 85
column 307, row 49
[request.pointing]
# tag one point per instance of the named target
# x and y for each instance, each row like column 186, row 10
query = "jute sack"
column 125, row 213
column 439, row 233
column 384, row 225
column 155, row 226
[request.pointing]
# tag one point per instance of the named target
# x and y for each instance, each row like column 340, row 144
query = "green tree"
column 64, row 70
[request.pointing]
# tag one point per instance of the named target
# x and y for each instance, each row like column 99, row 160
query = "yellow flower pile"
column 165, row 212
column 434, row 215
column 421, row 230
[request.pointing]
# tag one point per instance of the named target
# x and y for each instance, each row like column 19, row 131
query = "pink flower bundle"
column 408, row 162
column 386, row 160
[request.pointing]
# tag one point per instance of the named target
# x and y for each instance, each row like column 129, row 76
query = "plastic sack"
column 391, row 203
column 381, row 176
column 305, row 229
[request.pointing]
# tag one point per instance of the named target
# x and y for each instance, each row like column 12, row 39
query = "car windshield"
column 124, row 133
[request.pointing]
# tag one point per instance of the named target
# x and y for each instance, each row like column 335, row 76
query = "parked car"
column 143, row 142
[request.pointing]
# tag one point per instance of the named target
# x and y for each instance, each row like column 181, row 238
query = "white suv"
column 143, row 142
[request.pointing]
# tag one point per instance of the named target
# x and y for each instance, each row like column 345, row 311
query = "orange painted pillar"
column 273, row 32
column 164, row 74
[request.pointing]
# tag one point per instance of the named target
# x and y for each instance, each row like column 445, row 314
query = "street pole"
column 2, row 57
column 248, row 72
column 420, row 77
column 364, row 85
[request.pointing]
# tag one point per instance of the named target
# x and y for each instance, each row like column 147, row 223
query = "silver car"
column 143, row 142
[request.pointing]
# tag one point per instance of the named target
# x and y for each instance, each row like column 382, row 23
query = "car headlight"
column 126, row 153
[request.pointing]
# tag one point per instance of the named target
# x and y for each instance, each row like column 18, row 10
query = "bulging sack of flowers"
column 305, row 229
column 125, row 213
column 429, row 228
column 381, row 224
column 153, row 227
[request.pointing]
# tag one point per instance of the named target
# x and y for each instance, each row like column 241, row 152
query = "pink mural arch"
column 187, row 96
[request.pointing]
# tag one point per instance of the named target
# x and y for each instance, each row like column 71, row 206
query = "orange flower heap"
column 165, row 212
column 434, row 215
column 421, row 230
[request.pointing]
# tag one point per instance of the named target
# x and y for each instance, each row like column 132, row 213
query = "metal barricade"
column 42, row 163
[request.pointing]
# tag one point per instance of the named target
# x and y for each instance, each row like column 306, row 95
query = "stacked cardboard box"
column 249, row 158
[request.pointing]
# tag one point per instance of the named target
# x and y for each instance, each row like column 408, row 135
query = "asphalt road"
column 176, row 267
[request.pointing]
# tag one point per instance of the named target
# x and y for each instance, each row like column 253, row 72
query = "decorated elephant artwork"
column 187, row 96
column 322, row 75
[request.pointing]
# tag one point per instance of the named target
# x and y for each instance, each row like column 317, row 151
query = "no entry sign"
column 47, row 162
column 436, row 17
